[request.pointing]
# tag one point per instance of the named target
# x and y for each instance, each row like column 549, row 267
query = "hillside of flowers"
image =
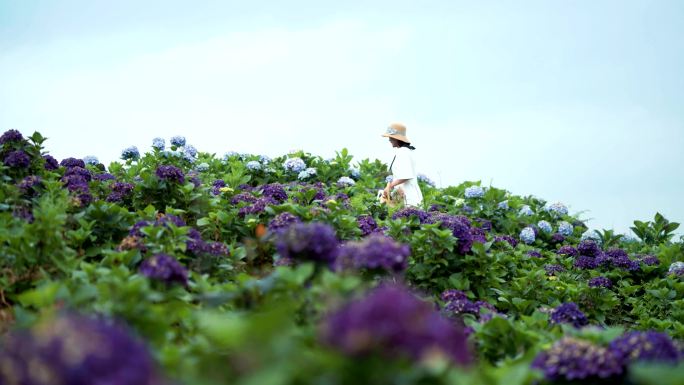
column 176, row 266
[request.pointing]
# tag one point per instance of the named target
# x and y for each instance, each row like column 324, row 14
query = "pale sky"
column 572, row 101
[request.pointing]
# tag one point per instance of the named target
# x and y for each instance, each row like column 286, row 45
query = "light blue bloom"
column 526, row 210
column 253, row 165
column 90, row 159
column 202, row 167
column 264, row 159
column 527, row 235
column 309, row 172
column 355, row 173
column 545, row 226
column 676, row 268
column 159, row 144
column 294, row 164
column 190, row 150
column 130, row 153
column 474, row 192
column 389, row 178
column 591, row 234
column 229, row 154
column 424, row 178
column 178, row 141
column 557, row 209
column 503, row 205
column 346, row 181
column 565, row 229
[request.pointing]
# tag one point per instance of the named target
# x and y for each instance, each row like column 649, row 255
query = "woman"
column 403, row 167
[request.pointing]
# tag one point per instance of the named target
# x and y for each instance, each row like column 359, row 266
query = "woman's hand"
column 387, row 190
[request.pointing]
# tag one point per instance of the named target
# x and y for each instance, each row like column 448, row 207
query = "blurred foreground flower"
column 316, row 242
column 164, row 268
column 575, row 359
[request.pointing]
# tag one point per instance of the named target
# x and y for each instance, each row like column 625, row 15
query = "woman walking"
column 403, row 167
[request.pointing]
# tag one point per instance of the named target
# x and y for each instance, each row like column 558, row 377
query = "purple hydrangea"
column 313, row 241
column 567, row 250
column 376, row 252
column 120, row 191
column 534, row 253
column 586, row 263
column 282, row 221
column 104, row 177
column 131, row 153
column 177, row 141
column 485, row 224
column 553, row 269
column 135, row 229
column 17, row 159
column 408, row 212
column 274, row 191
column 478, row 235
column 557, row 238
column 392, row 322
column 589, row 248
column 80, row 171
column 453, row 295
column 10, row 136
column 76, row 350
column 165, row 219
column 50, row 162
column 460, row 229
column 29, row 184
column 506, row 238
column 600, row 282
column 569, row 313
column 243, row 197
column 258, row 207
column 217, row 185
column 572, row 359
column 645, row 346
column 650, row 260
column 72, row 162
column 164, row 268
column 196, row 245
column 170, row 173
column 625, row 263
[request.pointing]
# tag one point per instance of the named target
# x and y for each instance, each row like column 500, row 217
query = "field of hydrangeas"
column 175, row 266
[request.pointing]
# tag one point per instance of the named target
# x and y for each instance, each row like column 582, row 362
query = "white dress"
column 404, row 167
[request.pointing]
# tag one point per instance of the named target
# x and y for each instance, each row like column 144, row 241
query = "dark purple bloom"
column 165, row 219
column 600, row 282
column 485, row 224
column 75, row 350
column 30, row 184
column 170, row 173
column 11, row 136
column 24, row 213
column 375, row 252
column 477, row 235
column 436, row 207
column 50, row 162
column 569, row 313
column 274, row 191
column 258, row 207
column 588, row 248
column 243, row 197
column 552, row 269
column 392, row 322
column 586, row 263
column 650, row 260
column 164, row 268
column 557, row 238
column 461, row 306
column 79, row 171
column 120, row 191
column 367, row 224
column 194, row 178
column 616, row 253
column 313, row 241
column 72, row 162
column 217, row 185
column 571, row 359
column 534, row 253
column 135, row 229
column 408, row 212
column 104, row 177
column 460, row 229
column 645, row 346
column 282, row 220
column 625, row 263
column 453, row 295
column 506, row 238
column 567, row 250
column 17, row 159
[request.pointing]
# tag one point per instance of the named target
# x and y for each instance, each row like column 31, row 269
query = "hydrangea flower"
column 676, row 268
column 230, row 154
column 75, row 350
column 313, row 241
column 503, row 205
column 474, row 192
column 557, row 238
column 258, row 207
column 264, row 159
column 565, row 228
column 274, row 191
column 600, row 282
column 130, row 153
column 367, row 224
column 526, row 210
column 72, row 162
column 295, row 164
column 569, row 313
column 120, row 191
column 591, row 234
column 534, row 253
column 202, row 167
column 645, row 346
column 425, row 179
column 567, row 250
column 282, row 221
column 253, row 165
column 345, row 181
column 189, row 152
column 375, row 252
column 590, row 248
column 506, row 238
column 553, row 269
column 305, row 174
column 50, row 162
column 159, row 144
column 584, row 262
column 90, row 159
column 527, row 235
column 557, row 209
column 355, row 173
column 650, row 260
column 408, row 212
column 10, row 136
column 178, row 141
column 392, row 322
column 545, row 226
column 164, row 268
column 170, row 173
column 17, row 159
column 572, row 359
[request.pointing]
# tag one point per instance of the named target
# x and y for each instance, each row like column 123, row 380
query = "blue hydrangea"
column 545, row 226
column 526, row 210
column 253, row 165
column 591, row 235
column 230, row 154
column 202, row 167
column 424, row 178
column 389, row 178
column 676, row 268
column 474, row 192
column 309, row 172
column 557, row 209
column 527, row 235
column 294, row 164
column 90, row 159
column 159, row 144
column 189, row 149
column 345, row 181
column 355, row 173
column 503, row 205
column 565, row 229
column 130, row 153
column 264, row 159
column 178, row 141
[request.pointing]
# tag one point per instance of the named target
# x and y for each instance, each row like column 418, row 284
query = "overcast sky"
column 572, row 101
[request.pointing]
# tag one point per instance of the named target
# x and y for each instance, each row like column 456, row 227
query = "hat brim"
column 397, row 137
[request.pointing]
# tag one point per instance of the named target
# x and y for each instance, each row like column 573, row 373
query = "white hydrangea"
column 202, row 167
column 306, row 174
column 346, row 181
column 526, row 210
column 253, row 165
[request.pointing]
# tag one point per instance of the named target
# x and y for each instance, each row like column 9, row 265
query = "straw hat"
column 396, row 131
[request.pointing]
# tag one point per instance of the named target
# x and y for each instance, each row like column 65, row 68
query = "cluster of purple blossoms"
column 557, row 238
column 282, row 221
column 457, row 303
column 567, row 250
column 460, row 227
column 408, row 212
column 170, row 173
column 217, row 185
column 645, row 346
column 569, row 313
column 506, row 238
column 376, row 252
column 258, row 207
column 11, row 136
column 589, row 248
column 24, row 213
column 76, row 180
column 649, row 260
column 198, row 246
column 30, row 185
column 274, row 191
column 72, row 162
column 17, row 159
column 586, row 263
column 393, row 323
column 105, row 176
column 367, row 225
column 120, row 191
column 553, row 269
column 312, row 241
column 50, row 162
column 164, row 268
column 75, row 350
column 535, row 254
column 600, row 282
column 485, row 224
column 243, row 197
column 574, row 359
column 436, row 207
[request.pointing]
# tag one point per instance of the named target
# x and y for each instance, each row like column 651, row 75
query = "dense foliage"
column 177, row 266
